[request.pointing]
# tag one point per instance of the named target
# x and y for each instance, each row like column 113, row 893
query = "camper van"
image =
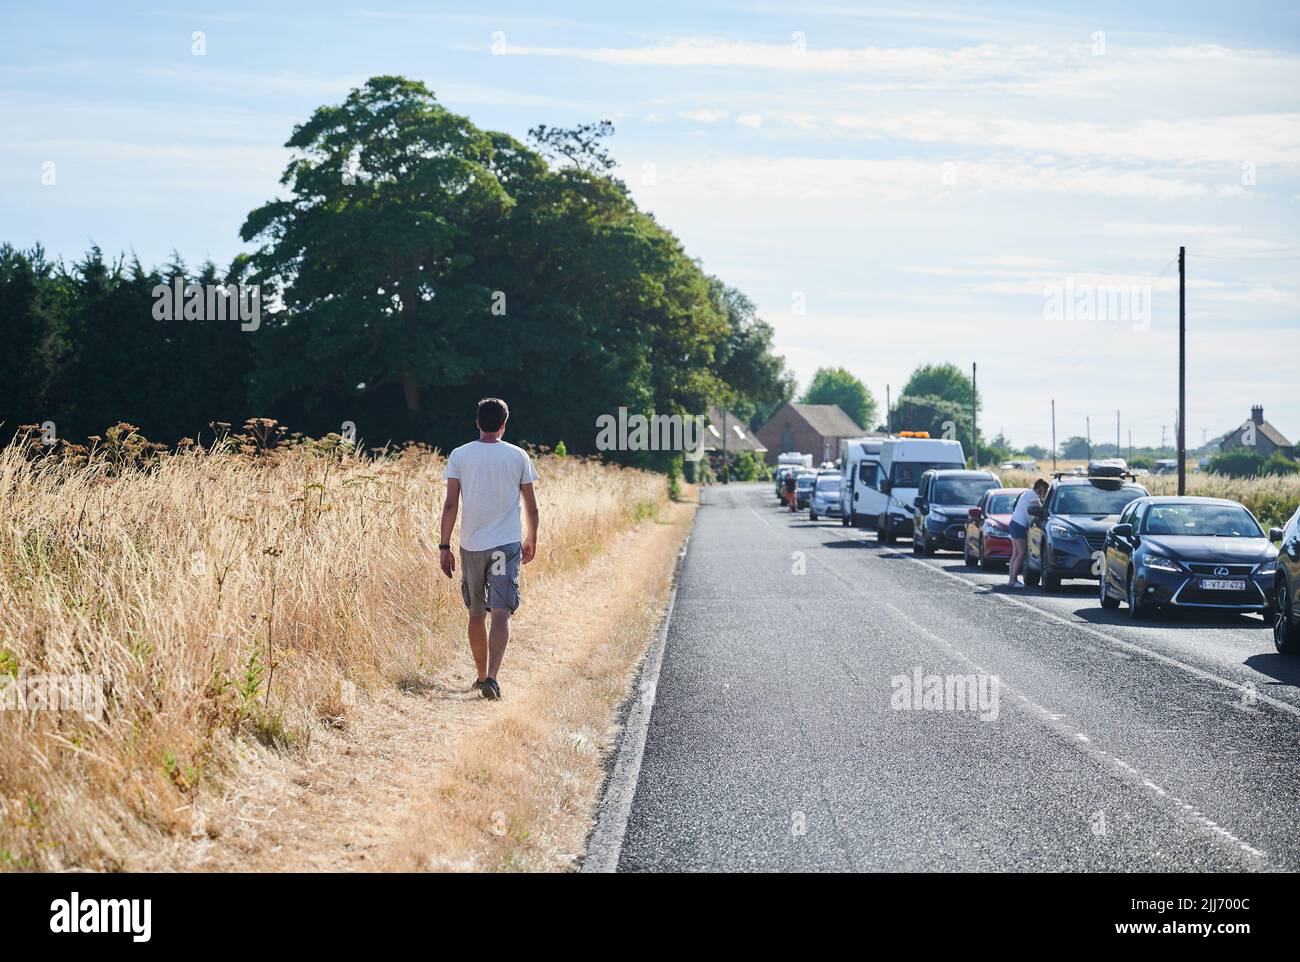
column 902, row 462
column 795, row 459
column 860, row 499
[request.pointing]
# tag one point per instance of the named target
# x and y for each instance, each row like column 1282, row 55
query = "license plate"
column 1218, row 584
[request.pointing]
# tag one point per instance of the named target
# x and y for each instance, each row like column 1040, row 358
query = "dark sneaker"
column 491, row 689
column 478, row 686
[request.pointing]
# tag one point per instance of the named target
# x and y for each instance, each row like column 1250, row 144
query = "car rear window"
column 961, row 490
column 1090, row 499
column 828, row 484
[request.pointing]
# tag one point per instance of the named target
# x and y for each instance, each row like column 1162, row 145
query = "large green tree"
column 372, row 255
column 945, row 381
column 836, row 385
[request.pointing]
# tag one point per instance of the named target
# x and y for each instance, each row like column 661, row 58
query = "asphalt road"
column 777, row 741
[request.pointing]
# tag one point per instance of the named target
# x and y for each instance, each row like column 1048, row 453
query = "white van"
column 794, row 459
column 860, row 499
column 902, row 462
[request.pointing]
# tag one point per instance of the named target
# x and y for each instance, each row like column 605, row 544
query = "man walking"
column 490, row 476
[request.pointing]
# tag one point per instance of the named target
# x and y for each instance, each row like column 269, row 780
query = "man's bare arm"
column 450, row 506
column 530, row 521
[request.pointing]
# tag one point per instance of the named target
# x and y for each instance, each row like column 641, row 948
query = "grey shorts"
column 490, row 579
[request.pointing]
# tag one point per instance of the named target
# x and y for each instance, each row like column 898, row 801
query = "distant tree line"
column 416, row 264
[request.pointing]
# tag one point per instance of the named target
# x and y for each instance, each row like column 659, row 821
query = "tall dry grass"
column 1272, row 499
column 225, row 598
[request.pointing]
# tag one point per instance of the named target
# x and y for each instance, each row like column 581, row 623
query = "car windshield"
column 828, row 484
column 1090, row 499
column 960, row 490
column 805, row 480
column 1218, row 520
column 907, row 474
column 1000, row 504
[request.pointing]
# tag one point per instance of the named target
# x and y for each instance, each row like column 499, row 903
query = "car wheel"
column 1286, row 634
column 985, row 561
column 1137, row 608
column 1051, row 582
column 1106, row 600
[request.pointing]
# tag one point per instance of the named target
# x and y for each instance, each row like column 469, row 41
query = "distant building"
column 815, row 429
column 739, row 438
column 1255, row 434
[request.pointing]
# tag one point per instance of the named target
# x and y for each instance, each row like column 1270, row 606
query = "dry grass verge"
column 232, row 606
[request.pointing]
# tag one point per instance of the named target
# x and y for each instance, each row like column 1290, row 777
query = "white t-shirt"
column 490, row 473
column 1020, row 514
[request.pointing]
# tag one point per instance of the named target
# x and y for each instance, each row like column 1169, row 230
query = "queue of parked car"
column 1146, row 553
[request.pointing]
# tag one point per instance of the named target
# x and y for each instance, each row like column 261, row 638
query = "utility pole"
column 1162, row 436
column 889, row 413
column 1087, row 430
column 1182, row 371
column 1053, row 435
column 974, row 424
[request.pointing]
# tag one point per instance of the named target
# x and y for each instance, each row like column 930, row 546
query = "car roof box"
column 1108, row 468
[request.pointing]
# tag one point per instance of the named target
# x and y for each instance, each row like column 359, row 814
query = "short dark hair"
column 1041, row 483
column 492, row 414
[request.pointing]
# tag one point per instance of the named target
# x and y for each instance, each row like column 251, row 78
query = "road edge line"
column 605, row 844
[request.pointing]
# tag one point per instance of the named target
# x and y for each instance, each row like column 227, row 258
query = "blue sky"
column 892, row 184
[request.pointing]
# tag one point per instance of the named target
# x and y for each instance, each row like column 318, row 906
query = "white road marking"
column 1088, row 629
column 1086, row 745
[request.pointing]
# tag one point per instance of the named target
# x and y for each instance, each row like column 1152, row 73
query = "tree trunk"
column 410, row 391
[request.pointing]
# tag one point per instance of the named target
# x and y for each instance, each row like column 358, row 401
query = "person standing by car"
column 1020, row 530
column 791, row 484
column 490, row 476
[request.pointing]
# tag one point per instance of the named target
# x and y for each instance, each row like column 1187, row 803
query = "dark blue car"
column 1171, row 552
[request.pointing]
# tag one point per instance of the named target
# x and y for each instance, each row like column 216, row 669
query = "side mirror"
column 1275, row 534
column 919, row 502
column 975, row 514
column 1122, row 531
column 1036, row 510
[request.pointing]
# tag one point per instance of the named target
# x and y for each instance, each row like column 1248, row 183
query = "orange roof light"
column 913, row 434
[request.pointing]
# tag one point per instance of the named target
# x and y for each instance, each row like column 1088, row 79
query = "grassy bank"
column 219, row 599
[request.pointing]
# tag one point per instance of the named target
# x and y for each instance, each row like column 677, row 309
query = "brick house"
column 815, row 429
column 1266, row 438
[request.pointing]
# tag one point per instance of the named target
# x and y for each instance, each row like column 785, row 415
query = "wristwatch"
column 444, row 547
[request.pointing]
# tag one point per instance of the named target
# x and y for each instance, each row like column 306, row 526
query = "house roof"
column 739, row 436
column 828, row 420
column 1266, row 429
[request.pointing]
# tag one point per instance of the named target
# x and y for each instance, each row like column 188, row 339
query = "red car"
column 988, row 536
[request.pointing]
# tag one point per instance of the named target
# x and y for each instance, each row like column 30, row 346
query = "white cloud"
column 704, row 116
